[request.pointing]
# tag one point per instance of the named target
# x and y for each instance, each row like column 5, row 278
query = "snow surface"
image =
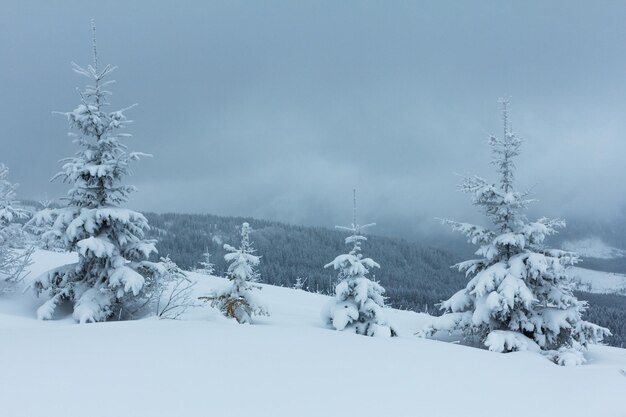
column 593, row 247
column 598, row 281
column 288, row 364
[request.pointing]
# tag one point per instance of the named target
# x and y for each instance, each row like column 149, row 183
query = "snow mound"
column 207, row 364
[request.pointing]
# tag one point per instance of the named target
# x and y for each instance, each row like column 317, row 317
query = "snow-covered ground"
column 598, row 281
column 593, row 247
column 288, row 364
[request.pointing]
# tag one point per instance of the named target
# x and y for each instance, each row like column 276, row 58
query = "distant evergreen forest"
column 608, row 310
column 416, row 276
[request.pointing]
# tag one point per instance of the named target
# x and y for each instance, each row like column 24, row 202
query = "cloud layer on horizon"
column 277, row 110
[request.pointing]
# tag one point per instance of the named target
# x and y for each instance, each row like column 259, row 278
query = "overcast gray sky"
column 277, row 109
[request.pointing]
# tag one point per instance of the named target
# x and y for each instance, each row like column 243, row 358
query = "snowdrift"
column 288, row 364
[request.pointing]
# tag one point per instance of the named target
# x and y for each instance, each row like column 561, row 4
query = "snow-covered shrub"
column 358, row 303
column 519, row 296
column 113, row 268
column 173, row 290
column 167, row 292
column 240, row 299
column 14, row 253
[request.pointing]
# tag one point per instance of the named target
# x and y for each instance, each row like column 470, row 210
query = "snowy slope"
column 286, row 365
column 598, row 281
column 593, row 247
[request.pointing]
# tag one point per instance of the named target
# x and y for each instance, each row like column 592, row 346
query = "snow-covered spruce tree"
column 299, row 284
column 37, row 230
column 206, row 267
column 240, row 299
column 14, row 255
column 112, row 267
column 359, row 303
column 519, row 296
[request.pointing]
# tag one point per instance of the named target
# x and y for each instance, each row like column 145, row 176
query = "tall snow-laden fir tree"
column 519, row 296
column 14, row 255
column 112, row 269
column 359, row 303
column 240, row 299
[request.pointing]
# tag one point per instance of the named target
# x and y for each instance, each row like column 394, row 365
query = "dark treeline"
column 415, row 276
column 607, row 310
column 617, row 265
